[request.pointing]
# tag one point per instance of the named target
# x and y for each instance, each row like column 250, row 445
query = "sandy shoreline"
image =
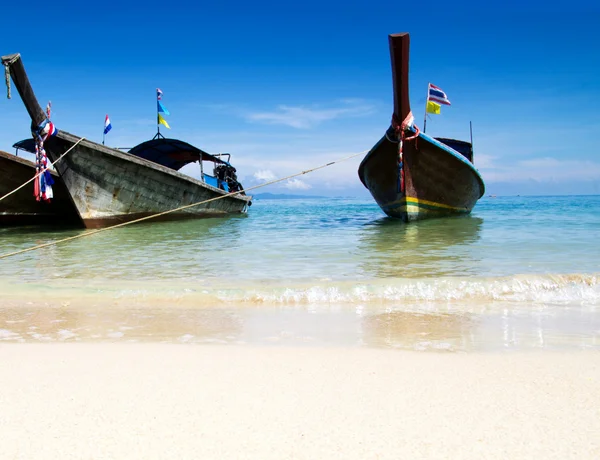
column 183, row 401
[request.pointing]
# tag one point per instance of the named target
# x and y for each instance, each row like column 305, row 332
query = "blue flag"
column 161, row 108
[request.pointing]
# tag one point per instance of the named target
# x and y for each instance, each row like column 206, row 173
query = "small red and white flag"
column 107, row 125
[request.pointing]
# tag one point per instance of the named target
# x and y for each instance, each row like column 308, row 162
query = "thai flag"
column 437, row 95
column 159, row 94
column 107, row 125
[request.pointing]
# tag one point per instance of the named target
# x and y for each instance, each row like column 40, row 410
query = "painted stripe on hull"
column 410, row 209
column 415, row 204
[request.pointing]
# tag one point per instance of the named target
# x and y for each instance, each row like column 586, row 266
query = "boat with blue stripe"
column 410, row 174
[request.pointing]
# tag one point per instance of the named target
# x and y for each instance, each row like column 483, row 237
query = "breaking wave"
column 571, row 289
column 555, row 289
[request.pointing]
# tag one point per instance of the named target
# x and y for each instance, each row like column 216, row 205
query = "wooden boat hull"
column 438, row 181
column 434, row 178
column 21, row 208
column 109, row 187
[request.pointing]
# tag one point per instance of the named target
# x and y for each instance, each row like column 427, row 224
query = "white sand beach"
column 165, row 401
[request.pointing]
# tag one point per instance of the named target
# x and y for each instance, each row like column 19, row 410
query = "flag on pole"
column 162, row 121
column 434, row 108
column 159, row 94
column 107, row 125
column 161, row 108
column 436, row 95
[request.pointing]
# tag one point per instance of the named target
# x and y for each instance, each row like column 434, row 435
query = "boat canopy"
column 27, row 145
column 172, row 153
column 462, row 147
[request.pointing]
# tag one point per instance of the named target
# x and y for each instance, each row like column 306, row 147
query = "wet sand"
column 480, row 327
column 157, row 401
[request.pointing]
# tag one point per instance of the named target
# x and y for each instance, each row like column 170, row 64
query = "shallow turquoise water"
column 520, row 270
column 337, row 239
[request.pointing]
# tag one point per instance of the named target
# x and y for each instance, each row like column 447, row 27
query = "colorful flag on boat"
column 434, row 108
column 162, row 121
column 159, row 94
column 437, row 95
column 107, row 125
column 161, row 108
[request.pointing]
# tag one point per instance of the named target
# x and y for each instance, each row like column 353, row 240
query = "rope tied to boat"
column 401, row 129
column 180, row 208
column 37, row 175
column 7, row 65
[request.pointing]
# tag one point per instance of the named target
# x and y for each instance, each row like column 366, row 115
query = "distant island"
column 283, row 196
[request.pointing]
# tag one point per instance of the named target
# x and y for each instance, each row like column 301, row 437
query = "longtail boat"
column 411, row 175
column 21, row 208
column 108, row 186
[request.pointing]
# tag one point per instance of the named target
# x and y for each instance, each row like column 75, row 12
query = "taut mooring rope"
column 93, row 232
column 41, row 172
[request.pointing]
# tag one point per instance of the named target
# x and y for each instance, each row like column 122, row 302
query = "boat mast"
column 426, row 104
column 158, row 134
column 157, row 123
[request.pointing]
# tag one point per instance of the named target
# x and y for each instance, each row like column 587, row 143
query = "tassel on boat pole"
column 7, row 65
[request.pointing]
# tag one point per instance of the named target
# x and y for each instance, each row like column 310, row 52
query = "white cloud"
column 264, row 175
column 302, row 117
column 297, row 184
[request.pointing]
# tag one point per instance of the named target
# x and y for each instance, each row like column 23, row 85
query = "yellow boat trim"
column 415, row 204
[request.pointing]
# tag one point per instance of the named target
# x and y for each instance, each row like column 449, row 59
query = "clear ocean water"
column 534, row 261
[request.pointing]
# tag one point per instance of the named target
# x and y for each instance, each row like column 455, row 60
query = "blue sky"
column 288, row 86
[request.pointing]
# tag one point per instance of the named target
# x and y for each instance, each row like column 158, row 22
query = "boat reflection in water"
column 411, row 258
column 435, row 293
column 437, row 247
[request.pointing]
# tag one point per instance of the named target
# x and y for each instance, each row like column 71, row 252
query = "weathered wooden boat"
column 414, row 176
column 108, row 186
column 21, row 208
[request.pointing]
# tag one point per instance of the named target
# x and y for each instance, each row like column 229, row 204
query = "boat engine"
column 226, row 173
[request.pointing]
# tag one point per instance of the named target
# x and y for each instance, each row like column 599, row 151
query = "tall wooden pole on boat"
column 426, row 103
column 157, row 120
column 19, row 78
column 399, row 50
